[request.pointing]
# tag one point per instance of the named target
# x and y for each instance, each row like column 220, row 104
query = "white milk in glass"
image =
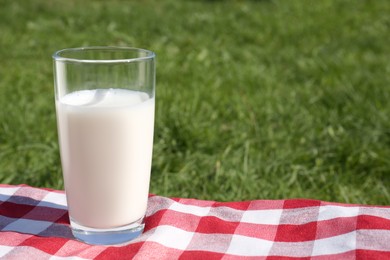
column 106, row 140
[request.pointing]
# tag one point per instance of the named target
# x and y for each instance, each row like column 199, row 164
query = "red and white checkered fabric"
column 34, row 225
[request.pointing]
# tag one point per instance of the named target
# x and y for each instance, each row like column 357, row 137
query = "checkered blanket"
column 34, row 225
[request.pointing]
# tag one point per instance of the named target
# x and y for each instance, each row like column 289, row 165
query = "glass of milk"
column 105, row 100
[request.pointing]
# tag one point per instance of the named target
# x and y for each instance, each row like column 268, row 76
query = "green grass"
column 255, row 99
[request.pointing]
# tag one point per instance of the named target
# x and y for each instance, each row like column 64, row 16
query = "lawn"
column 255, row 99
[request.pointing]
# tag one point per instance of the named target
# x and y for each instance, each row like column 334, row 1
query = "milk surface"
column 106, row 140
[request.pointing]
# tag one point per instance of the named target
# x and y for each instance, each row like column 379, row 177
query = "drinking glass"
column 105, row 99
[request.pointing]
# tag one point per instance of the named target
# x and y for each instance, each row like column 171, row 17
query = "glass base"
column 112, row 236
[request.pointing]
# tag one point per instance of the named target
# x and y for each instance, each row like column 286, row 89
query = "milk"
column 106, row 139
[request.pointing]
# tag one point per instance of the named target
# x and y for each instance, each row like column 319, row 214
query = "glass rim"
column 58, row 55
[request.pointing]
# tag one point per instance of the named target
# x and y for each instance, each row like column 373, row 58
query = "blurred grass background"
column 255, row 99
